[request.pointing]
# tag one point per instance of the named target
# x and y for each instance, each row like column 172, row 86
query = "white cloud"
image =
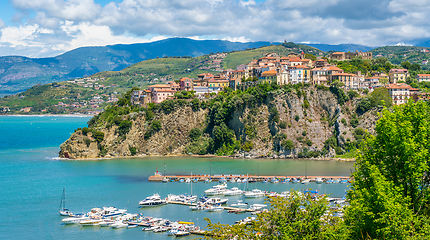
column 59, row 25
column 1, row 23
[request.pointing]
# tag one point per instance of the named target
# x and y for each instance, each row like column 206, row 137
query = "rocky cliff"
column 286, row 122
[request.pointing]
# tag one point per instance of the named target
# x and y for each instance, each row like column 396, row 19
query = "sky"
column 41, row 28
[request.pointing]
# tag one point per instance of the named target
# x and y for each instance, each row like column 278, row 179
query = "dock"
column 257, row 178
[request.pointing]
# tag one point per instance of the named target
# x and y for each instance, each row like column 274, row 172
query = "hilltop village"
column 283, row 70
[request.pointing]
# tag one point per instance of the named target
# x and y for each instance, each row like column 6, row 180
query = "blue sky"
column 40, row 28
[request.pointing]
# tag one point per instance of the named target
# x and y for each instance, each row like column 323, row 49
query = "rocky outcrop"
column 305, row 119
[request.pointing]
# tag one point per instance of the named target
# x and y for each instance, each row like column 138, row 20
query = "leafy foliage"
column 295, row 217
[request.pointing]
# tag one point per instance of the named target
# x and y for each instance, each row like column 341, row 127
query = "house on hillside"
column 423, row 77
column 299, row 74
column 401, row 92
column 398, row 75
column 349, row 80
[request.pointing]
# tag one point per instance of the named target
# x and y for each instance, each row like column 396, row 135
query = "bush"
column 343, row 121
column 354, row 122
column 273, row 114
column 124, row 127
column 297, row 118
column 154, row 127
column 133, row 150
column 195, row 134
column 87, row 141
column 306, row 103
column 308, row 142
column 282, row 124
column 287, row 145
column 304, row 133
column 98, row 136
column 195, row 104
column 85, row 131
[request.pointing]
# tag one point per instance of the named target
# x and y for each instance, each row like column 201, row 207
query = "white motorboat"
column 106, row 222
column 72, row 220
column 211, row 208
column 256, row 193
column 306, row 181
column 232, row 192
column 181, row 233
column 91, row 222
column 216, row 190
column 154, row 200
column 216, row 201
column 319, row 180
column 112, row 211
column 239, row 203
column 119, row 224
column 256, row 207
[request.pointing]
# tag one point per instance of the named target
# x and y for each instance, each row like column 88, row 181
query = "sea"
column 32, row 179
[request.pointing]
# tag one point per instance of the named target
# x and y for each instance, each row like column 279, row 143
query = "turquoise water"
column 31, row 182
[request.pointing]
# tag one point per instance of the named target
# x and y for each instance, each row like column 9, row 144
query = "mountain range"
column 18, row 73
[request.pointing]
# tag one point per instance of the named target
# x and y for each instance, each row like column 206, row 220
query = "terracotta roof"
column 333, row 68
column 398, row 86
column 160, row 86
column 344, row 74
column 402, row 70
column 423, row 75
column 300, row 66
column 338, row 53
column 164, row 90
column 269, row 73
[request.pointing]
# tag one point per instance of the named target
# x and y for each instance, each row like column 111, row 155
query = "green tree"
column 295, row 217
column 390, row 194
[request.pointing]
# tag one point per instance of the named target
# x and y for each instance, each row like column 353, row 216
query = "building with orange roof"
column 401, row 92
column 186, row 84
column 423, row 77
column 268, row 76
column 299, row 74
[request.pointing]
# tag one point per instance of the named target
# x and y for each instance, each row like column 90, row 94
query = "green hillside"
column 399, row 54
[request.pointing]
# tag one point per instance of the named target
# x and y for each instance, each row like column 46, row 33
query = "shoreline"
column 202, row 156
column 47, row 115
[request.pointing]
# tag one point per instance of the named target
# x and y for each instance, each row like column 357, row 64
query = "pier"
column 257, row 178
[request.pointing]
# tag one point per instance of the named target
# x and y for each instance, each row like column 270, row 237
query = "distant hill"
column 399, row 54
column 341, row 47
column 19, row 73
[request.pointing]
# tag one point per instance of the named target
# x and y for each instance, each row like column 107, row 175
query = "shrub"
column 343, row 121
column 308, row 142
column 124, row 127
column 354, row 122
column 195, row 134
column 297, row 118
column 287, row 145
column 282, row 124
column 305, row 103
column 304, row 133
column 85, row 131
column 98, row 136
column 133, row 150
column 87, row 141
column 195, row 104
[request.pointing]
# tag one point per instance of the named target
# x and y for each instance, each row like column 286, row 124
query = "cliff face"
column 305, row 123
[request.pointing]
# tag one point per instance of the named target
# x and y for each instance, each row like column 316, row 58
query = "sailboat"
column 62, row 209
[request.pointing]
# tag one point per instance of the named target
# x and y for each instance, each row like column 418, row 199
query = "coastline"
column 47, row 115
column 202, row 156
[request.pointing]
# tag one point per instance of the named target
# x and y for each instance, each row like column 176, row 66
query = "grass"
column 349, row 155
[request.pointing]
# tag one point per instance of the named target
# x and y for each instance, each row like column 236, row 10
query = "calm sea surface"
column 31, row 182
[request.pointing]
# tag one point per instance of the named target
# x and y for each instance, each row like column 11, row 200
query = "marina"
column 120, row 218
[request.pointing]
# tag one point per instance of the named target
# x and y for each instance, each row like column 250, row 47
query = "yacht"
column 154, row 200
column 91, row 222
column 181, row 233
column 119, row 224
column 319, row 180
column 106, row 223
column 306, row 181
column 112, row 211
column 216, row 190
column 232, row 192
column 239, row 203
column 72, row 220
column 216, row 201
column 257, row 207
column 256, row 193
column 211, row 208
